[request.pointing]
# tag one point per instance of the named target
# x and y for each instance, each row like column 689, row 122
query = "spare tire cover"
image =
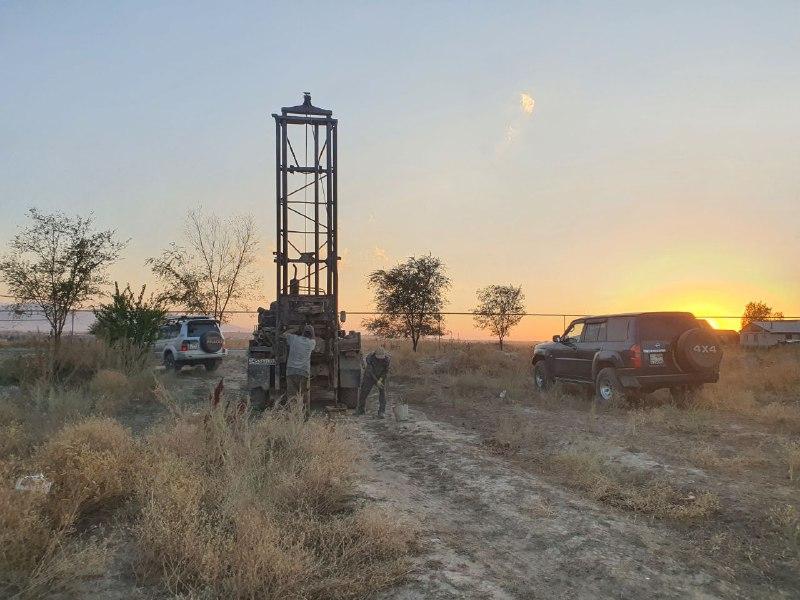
column 699, row 350
column 211, row 342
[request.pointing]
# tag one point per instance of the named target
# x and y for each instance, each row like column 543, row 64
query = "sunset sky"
column 615, row 156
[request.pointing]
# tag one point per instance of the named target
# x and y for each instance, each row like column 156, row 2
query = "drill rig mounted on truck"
column 306, row 259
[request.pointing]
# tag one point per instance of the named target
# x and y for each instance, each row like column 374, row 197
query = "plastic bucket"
column 401, row 412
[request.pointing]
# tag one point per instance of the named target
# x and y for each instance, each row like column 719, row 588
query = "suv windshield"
column 198, row 328
column 664, row 327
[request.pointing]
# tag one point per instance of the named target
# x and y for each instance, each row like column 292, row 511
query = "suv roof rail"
column 190, row 318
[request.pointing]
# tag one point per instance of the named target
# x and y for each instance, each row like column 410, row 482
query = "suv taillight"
column 184, row 346
column 636, row 356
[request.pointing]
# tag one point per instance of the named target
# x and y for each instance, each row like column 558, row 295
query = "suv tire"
column 169, row 362
column 608, row 387
column 694, row 353
column 541, row 376
column 211, row 342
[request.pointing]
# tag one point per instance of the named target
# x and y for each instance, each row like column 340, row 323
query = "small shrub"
column 92, row 465
column 129, row 324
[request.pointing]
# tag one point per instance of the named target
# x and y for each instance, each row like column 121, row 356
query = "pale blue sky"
column 663, row 144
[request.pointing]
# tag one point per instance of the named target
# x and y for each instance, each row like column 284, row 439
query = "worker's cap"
column 380, row 353
column 308, row 331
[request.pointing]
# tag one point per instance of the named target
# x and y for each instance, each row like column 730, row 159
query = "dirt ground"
column 494, row 525
column 500, row 523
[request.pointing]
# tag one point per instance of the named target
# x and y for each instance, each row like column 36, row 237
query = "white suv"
column 190, row 341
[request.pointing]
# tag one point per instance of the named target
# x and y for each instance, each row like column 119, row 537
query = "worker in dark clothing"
column 376, row 370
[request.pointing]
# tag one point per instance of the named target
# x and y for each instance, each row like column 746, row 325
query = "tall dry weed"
column 261, row 508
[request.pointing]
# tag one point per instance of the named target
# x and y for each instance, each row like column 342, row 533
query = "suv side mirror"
column 556, row 338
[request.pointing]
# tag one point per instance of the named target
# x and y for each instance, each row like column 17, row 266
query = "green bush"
column 130, row 325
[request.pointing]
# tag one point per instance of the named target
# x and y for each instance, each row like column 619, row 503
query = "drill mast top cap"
column 306, row 108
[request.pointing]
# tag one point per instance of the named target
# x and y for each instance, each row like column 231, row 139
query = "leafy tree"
column 216, row 267
column 56, row 263
column 410, row 298
column 759, row 311
column 129, row 323
column 500, row 308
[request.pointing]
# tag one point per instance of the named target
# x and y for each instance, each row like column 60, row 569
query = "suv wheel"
column 169, row 362
column 541, row 376
column 609, row 389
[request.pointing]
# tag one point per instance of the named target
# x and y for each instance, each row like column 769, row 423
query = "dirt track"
column 494, row 531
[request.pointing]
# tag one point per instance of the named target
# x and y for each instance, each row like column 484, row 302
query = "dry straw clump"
column 261, row 509
column 91, row 465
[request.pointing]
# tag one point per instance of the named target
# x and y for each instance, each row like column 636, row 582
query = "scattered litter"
column 503, row 395
column 34, row 483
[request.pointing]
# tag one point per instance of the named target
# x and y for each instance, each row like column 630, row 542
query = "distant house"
column 763, row 334
column 727, row 337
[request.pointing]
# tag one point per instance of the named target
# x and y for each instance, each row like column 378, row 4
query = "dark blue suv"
column 627, row 355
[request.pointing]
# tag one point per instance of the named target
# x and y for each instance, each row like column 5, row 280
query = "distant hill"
column 36, row 322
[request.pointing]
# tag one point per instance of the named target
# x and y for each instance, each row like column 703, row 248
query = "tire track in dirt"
column 495, row 531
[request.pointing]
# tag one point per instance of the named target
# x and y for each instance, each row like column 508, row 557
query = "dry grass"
column 512, row 434
column 36, row 556
column 791, row 457
column 763, row 386
column 786, row 522
column 223, row 506
column 261, row 509
column 36, row 404
column 706, row 456
column 629, row 489
column 40, row 552
column 92, row 466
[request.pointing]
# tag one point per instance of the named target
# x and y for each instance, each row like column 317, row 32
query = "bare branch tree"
column 215, row 269
column 500, row 308
column 57, row 263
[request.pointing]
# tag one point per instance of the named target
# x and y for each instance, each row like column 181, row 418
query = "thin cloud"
column 380, row 254
column 526, row 103
column 511, row 133
column 516, row 125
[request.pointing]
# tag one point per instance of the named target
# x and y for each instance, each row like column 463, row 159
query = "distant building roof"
column 784, row 326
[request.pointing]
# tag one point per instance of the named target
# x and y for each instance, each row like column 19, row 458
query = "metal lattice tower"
column 305, row 187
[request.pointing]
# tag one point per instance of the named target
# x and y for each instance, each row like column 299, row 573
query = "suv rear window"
column 617, row 329
column 198, row 328
column 664, row 327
